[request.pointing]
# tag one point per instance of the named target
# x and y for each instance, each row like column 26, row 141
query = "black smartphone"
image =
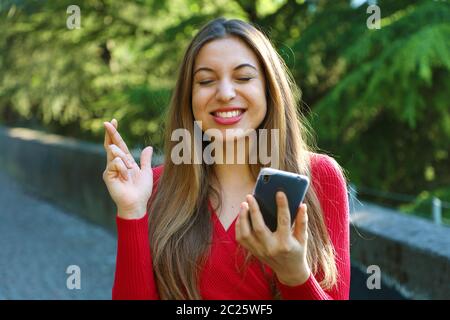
column 269, row 182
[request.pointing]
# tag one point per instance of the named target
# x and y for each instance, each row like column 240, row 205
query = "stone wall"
column 412, row 253
column 66, row 171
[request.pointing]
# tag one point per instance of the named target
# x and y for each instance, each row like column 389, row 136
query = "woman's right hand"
column 129, row 185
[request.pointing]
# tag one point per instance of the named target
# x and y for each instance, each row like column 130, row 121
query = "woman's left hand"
column 284, row 250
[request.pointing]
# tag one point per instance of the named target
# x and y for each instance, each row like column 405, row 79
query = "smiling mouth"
column 228, row 114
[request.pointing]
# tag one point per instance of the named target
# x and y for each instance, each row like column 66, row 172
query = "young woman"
column 193, row 230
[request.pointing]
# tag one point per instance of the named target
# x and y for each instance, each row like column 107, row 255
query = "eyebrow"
column 236, row 68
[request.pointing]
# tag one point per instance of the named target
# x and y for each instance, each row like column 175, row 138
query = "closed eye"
column 209, row 81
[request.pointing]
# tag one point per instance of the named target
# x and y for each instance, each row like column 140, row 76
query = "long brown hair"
column 180, row 225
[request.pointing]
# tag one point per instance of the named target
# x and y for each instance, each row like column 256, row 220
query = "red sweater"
column 221, row 278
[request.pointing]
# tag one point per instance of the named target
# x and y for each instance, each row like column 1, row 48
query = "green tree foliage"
column 380, row 98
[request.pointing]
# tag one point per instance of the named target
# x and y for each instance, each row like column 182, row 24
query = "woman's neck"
column 234, row 176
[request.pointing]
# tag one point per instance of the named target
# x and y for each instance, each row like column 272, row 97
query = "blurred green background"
column 378, row 99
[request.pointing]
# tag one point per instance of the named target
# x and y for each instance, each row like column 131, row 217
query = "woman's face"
column 228, row 90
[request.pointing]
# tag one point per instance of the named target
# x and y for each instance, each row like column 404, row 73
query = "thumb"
column 301, row 224
column 146, row 158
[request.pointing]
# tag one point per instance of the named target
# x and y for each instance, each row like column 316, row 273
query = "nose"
column 225, row 91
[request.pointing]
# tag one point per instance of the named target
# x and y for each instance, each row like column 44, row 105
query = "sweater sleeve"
column 134, row 278
column 331, row 190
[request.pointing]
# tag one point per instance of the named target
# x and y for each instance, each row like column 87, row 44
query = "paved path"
column 39, row 241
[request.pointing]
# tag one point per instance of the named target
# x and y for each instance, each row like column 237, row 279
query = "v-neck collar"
column 218, row 224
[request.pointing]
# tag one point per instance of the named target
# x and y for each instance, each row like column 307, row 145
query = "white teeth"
column 229, row 114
